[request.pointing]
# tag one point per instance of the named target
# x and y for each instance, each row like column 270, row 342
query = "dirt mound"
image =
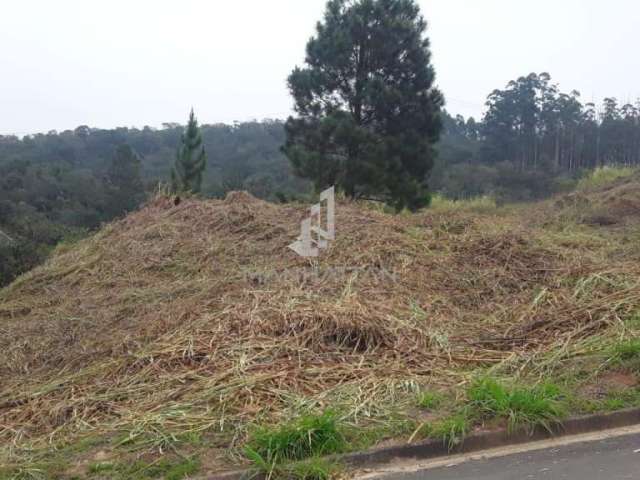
column 197, row 317
column 621, row 201
column 616, row 203
column 241, row 197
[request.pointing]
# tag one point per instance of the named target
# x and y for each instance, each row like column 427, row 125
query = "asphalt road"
column 608, row 459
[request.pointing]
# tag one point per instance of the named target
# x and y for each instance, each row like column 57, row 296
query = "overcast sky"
column 66, row 63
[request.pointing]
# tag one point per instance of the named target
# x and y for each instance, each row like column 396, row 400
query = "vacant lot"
column 178, row 340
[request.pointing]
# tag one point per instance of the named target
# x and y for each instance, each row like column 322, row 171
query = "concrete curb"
column 473, row 443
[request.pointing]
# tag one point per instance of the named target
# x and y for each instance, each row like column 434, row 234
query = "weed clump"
column 429, row 400
column 522, row 407
column 306, row 437
column 629, row 350
column 312, row 469
column 627, row 355
column 452, row 430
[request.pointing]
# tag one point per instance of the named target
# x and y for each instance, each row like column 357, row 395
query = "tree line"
column 368, row 119
column 60, row 185
column 533, row 141
column 533, row 123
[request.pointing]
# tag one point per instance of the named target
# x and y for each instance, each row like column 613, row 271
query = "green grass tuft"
column 308, row 436
column 182, row 470
column 626, row 355
column 629, row 350
column 429, row 400
column 168, row 469
column 633, row 322
column 311, row 469
column 451, row 430
column 522, row 407
column 101, row 467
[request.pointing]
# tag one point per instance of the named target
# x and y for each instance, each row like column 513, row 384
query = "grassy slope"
column 157, row 345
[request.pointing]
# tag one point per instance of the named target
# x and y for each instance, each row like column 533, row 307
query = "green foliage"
column 451, row 430
column 629, row 350
column 33, row 237
column 101, row 467
column 56, row 462
column 35, row 471
column 182, row 470
column 487, row 399
column 429, row 400
column 522, row 407
column 165, row 468
column 484, row 204
column 535, row 141
column 617, row 399
column 627, row 355
column 633, row 321
column 603, row 176
column 191, row 160
column 59, row 186
column 124, row 186
column 306, row 437
column 312, row 469
column 368, row 114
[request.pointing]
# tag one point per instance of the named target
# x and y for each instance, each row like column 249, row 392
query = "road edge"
column 475, row 442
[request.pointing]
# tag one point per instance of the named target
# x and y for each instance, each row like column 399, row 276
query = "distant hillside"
column 533, row 142
column 175, row 329
column 56, row 187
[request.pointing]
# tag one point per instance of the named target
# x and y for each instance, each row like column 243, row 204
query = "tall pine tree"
column 368, row 114
column 191, row 160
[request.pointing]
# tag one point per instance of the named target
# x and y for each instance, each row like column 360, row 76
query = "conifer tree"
column 368, row 114
column 191, row 160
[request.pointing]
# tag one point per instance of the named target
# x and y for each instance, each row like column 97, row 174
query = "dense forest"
column 57, row 186
column 533, row 141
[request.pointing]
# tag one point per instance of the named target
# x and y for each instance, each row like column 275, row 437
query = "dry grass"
column 608, row 197
column 197, row 320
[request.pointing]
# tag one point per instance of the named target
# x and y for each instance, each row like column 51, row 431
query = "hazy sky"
column 65, row 63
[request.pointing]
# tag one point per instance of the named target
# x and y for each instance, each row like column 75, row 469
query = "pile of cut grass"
column 178, row 328
column 606, row 197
